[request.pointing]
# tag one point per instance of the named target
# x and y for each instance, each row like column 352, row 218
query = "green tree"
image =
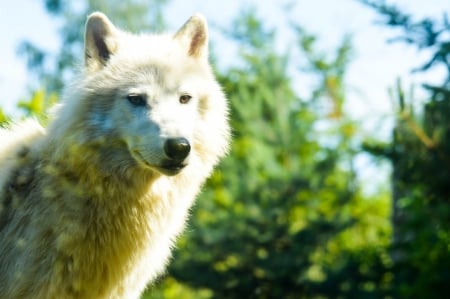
column 420, row 155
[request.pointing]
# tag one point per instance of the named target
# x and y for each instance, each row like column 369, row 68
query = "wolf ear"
column 99, row 41
column 194, row 36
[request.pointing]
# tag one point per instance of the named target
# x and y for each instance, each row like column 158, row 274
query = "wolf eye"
column 185, row 98
column 136, row 99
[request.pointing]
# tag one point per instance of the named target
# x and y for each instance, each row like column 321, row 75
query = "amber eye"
column 185, row 98
column 137, row 99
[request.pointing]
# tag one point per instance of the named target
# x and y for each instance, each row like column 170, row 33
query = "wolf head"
column 150, row 99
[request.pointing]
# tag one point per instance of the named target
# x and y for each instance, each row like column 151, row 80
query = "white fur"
column 87, row 207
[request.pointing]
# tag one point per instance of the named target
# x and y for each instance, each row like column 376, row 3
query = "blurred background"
column 337, row 184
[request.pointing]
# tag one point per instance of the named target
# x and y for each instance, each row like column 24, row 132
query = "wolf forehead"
column 146, row 73
column 157, row 49
column 148, row 57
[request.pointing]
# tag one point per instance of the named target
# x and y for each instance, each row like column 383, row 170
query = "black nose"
column 177, row 148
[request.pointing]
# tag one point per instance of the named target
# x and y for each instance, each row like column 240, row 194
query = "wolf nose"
column 177, row 148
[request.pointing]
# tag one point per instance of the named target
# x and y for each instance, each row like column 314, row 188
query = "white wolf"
column 90, row 207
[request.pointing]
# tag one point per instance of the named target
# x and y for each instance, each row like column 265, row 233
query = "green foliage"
column 420, row 154
column 3, row 117
column 421, row 160
column 170, row 288
column 36, row 106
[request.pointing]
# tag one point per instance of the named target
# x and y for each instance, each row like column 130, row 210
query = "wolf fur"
column 90, row 207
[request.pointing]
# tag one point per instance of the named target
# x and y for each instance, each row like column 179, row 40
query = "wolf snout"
column 177, row 148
